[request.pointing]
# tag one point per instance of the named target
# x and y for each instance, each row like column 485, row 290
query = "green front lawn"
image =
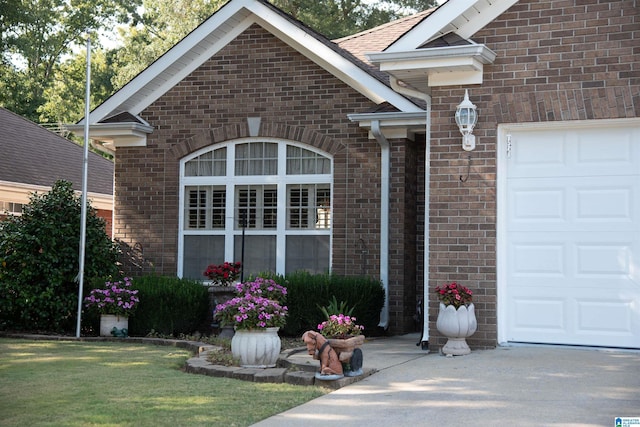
column 68, row 383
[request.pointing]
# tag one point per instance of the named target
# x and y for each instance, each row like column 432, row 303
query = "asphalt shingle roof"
column 379, row 38
column 30, row 154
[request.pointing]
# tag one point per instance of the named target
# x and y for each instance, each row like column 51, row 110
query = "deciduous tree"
column 37, row 35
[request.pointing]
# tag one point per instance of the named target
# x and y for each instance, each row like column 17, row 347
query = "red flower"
column 454, row 294
column 223, row 274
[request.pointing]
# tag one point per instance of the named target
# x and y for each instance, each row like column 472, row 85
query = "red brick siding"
column 107, row 216
column 556, row 60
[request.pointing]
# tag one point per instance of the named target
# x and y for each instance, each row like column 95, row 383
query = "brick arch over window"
column 272, row 130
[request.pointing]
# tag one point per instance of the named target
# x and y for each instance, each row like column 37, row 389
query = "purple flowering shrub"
column 257, row 305
column 115, row 298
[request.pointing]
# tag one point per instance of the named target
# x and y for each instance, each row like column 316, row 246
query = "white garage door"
column 570, row 234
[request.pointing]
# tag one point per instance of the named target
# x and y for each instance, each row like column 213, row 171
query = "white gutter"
column 424, row 341
column 384, row 218
column 479, row 52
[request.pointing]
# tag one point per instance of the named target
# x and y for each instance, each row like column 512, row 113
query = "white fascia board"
column 496, row 8
column 430, row 66
column 395, row 117
column 432, row 26
column 393, row 125
column 463, row 17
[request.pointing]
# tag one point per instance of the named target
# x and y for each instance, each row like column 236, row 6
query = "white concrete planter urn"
column 457, row 325
column 256, row 348
column 110, row 321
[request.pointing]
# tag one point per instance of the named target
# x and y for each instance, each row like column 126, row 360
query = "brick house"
column 330, row 153
column 33, row 158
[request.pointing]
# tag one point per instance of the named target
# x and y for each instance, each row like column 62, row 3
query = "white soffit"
column 214, row 34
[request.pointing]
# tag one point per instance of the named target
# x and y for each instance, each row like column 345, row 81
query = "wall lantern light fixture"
column 466, row 118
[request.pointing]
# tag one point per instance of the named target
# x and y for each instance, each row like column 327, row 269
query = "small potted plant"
column 115, row 302
column 256, row 317
column 345, row 337
column 340, row 326
column 456, row 317
column 223, row 274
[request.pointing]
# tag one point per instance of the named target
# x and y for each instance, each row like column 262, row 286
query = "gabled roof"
column 438, row 50
column 224, row 26
column 462, row 17
column 32, row 155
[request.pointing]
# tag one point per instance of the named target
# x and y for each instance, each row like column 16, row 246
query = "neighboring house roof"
column 229, row 22
column 33, row 156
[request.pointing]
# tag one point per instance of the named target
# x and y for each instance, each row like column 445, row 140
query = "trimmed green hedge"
column 169, row 306
column 307, row 292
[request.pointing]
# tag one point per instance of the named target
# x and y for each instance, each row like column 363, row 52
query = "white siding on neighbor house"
column 569, row 233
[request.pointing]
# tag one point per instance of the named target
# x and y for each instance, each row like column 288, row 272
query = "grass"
column 68, row 383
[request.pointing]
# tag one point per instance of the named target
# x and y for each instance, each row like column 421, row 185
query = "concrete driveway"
column 507, row 386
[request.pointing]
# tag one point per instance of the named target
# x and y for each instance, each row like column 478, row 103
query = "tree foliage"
column 339, row 18
column 36, row 37
column 162, row 24
column 64, row 98
column 39, row 261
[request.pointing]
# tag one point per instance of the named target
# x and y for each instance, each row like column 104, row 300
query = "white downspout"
column 427, row 197
column 424, row 341
column 384, row 218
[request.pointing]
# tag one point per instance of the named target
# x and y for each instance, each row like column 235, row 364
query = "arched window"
column 273, row 195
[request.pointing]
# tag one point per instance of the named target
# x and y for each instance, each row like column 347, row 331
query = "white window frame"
column 281, row 180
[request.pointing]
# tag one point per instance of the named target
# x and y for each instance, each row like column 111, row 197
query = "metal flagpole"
column 85, row 172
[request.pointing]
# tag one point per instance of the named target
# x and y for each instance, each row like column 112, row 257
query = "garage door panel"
column 525, row 315
column 619, row 313
column 596, row 152
column 604, row 260
column 575, row 259
column 605, row 152
column 573, row 204
column 606, row 204
column 586, row 320
column 538, row 259
column 572, row 245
